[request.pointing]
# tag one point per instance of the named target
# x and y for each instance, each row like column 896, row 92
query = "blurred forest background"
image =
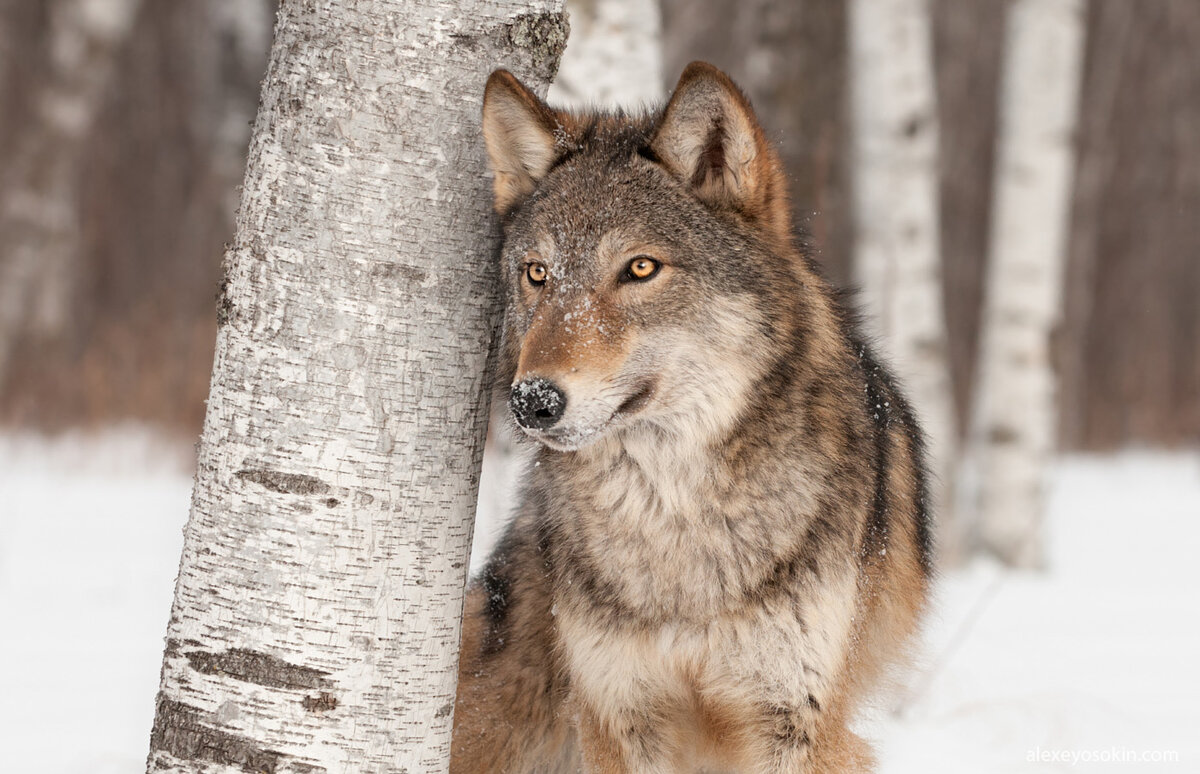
column 123, row 126
column 123, row 131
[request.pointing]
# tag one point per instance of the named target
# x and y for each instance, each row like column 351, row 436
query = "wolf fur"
column 723, row 538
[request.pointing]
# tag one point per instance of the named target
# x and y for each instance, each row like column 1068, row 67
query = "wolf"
column 723, row 539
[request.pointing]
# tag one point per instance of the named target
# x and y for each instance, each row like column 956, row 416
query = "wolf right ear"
column 710, row 139
column 519, row 131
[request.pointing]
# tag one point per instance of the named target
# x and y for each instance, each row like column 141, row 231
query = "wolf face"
column 640, row 261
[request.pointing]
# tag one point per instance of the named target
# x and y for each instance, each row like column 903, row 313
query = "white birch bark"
column 614, row 56
column 39, row 219
column 897, row 259
column 316, row 618
column 1014, row 420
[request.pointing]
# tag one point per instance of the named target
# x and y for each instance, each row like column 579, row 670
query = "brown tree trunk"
column 1129, row 353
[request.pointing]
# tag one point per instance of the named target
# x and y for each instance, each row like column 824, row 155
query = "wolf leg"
column 630, row 744
column 792, row 741
column 838, row 750
column 507, row 717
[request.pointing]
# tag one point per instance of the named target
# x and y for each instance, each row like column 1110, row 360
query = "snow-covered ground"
column 1094, row 665
column 1095, row 659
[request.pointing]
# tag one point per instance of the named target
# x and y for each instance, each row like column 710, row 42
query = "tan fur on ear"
column 710, row 138
column 519, row 131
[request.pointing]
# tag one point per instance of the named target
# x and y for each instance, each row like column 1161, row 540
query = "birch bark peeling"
column 897, row 258
column 1013, row 427
column 317, row 611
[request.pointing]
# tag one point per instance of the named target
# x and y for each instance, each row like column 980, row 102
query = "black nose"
column 537, row 404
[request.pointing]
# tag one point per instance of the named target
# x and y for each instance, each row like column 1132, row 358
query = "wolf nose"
column 537, row 404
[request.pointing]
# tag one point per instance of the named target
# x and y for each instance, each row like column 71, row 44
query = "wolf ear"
column 518, row 129
column 710, row 139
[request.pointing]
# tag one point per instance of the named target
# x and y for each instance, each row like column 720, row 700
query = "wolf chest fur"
column 723, row 541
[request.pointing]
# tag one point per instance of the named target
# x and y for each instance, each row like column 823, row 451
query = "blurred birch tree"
column 1013, row 427
column 614, row 56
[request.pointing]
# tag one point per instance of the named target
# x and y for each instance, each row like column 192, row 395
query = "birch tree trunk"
column 897, row 253
column 317, row 612
column 614, row 57
column 1013, row 427
column 39, row 218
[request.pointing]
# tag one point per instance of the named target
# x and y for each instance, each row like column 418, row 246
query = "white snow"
column 1095, row 658
column 90, row 536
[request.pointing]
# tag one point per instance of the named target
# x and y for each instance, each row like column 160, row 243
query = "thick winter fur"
column 724, row 541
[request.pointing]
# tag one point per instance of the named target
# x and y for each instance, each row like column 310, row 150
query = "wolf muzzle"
column 537, row 404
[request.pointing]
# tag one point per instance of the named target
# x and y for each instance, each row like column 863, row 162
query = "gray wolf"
column 723, row 538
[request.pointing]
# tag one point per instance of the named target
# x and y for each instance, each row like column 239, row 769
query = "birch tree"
column 614, row 56
column 317, row 611
column 897, row 258
column 1013, row 425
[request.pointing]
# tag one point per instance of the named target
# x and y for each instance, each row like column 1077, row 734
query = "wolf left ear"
column 519, row 131
column 710, row 139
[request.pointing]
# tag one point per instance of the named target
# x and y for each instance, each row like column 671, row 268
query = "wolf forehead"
column 603, row 178
column 607, row 199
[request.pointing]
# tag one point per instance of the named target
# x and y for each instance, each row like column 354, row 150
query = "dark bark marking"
column 305, row 768
column 285, row 483
column 394, row 271
column 184, row 733
column 541, row 36
column 225, row 310
column 258, row 668
column 444, row 710
column 1003, row 434
column 322, row 702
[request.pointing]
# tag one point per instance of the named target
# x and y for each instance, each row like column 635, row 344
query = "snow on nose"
column 537, row 404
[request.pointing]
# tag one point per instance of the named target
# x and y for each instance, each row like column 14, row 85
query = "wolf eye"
column 641, row 268
column 535, row 273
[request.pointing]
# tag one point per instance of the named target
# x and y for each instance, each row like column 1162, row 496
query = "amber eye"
column 535, row 273
column 641, row 268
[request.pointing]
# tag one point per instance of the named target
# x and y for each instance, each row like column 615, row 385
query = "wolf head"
column 651, row 278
